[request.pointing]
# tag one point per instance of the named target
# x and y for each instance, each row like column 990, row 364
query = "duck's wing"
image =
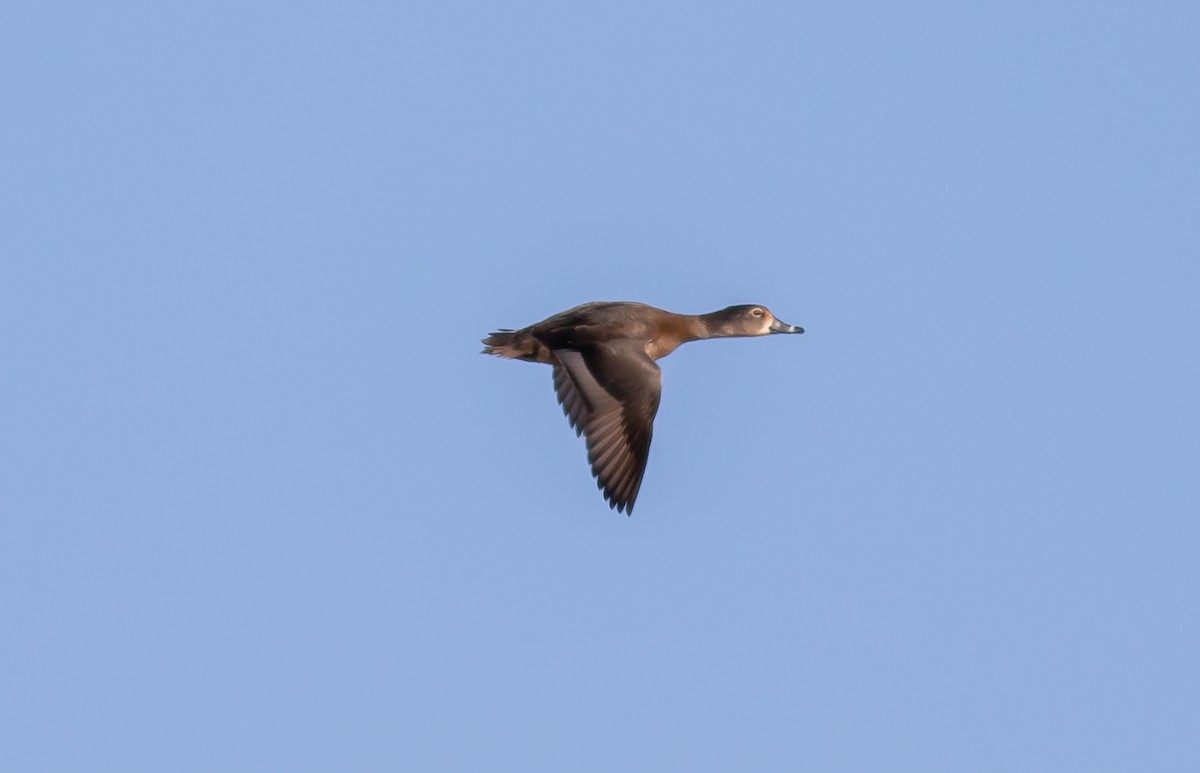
column 610, row 393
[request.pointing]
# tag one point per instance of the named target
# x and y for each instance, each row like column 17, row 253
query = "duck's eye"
column 756, row 312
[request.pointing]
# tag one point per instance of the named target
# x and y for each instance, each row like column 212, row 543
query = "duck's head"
column 746, row 320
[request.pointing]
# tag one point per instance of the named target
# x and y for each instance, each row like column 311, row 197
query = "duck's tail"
column 515, row 345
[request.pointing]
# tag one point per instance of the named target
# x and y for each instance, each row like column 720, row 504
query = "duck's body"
column 607, row 381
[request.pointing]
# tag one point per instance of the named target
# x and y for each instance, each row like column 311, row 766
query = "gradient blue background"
column 264, row 507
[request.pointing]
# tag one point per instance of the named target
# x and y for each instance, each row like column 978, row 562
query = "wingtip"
column 620, row 506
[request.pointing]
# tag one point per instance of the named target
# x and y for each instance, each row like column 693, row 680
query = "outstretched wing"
column 610, row 394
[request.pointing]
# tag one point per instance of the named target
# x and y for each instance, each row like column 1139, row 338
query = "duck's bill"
column 783, row 327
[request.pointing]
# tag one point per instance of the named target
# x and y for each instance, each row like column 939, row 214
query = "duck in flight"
column 607, row 381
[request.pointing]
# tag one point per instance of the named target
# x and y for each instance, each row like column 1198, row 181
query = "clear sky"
column 265, row 507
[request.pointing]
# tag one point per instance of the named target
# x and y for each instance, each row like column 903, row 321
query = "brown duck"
column 607, row 381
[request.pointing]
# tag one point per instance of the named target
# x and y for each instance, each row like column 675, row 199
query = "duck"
column 606, row 377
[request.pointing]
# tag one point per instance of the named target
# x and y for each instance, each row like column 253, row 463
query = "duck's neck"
column 693, row 327
column 708, row 326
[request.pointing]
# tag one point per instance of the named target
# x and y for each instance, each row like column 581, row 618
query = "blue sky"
column 264, row 506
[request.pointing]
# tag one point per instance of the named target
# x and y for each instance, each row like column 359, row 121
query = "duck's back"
column 596, row 322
